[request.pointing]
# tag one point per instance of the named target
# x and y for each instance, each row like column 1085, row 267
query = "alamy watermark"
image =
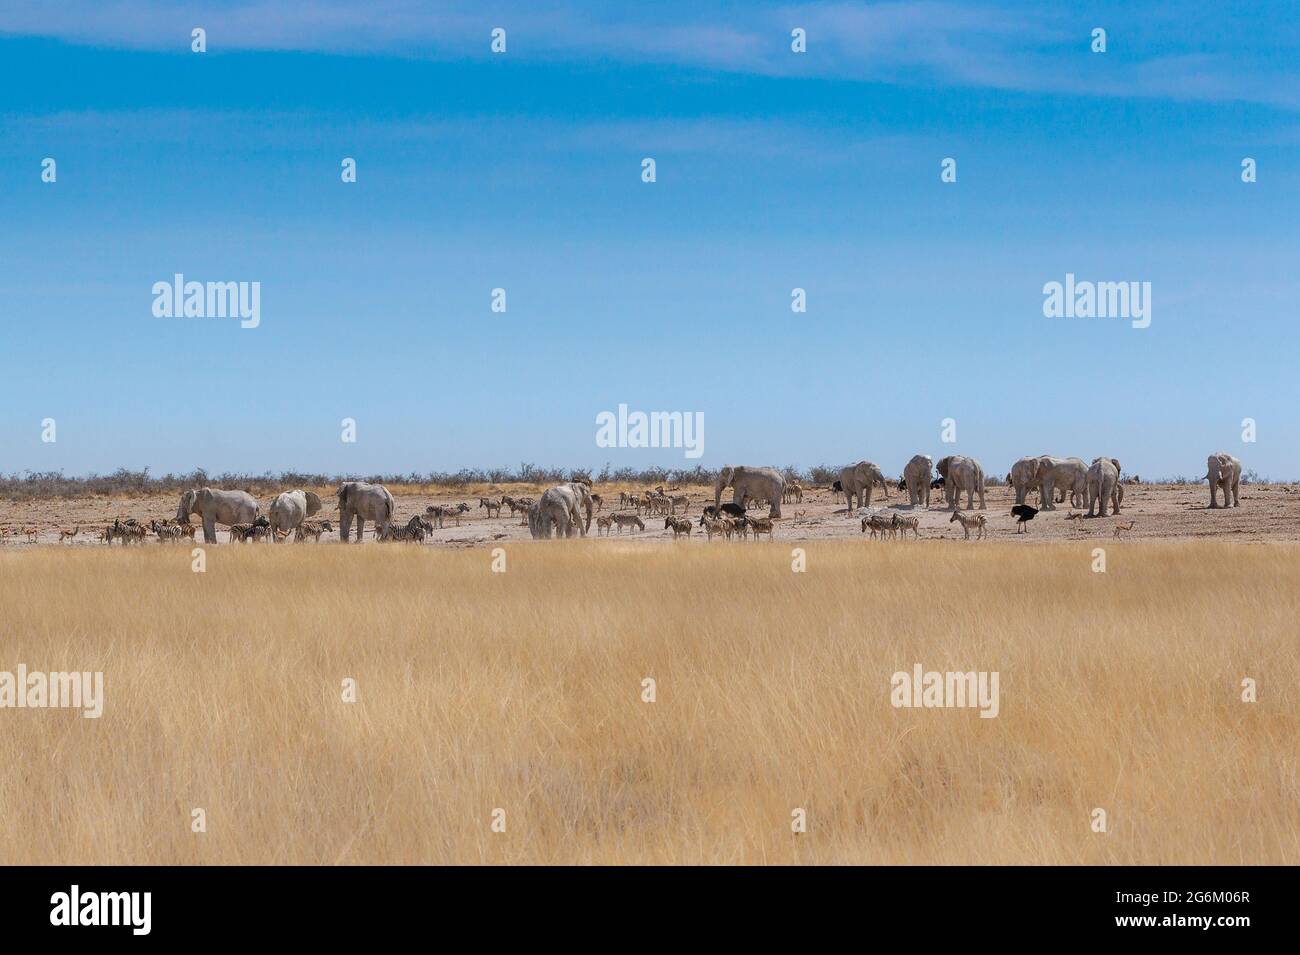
column 38, row 689
column 933, row 689
column 656, row 429
column 181, row 299
column 1073, row 299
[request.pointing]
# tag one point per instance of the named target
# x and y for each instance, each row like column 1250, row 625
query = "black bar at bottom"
column 372, row 904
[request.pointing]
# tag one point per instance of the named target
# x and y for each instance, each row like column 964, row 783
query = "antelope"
column 69, row 534
column 1123, row 527
column 679, row 525
column 32, row 534
column 491, row 505
column 967, row 521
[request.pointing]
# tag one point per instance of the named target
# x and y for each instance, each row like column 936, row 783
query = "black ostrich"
column 1023, row 513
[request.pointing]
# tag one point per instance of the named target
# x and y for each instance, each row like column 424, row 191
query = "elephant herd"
column 1099, row 483
column 566, row 509
column 357, row 501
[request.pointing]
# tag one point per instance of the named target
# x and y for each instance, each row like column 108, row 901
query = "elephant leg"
column 209, row 530
column 1236, row 493
column 361, row 528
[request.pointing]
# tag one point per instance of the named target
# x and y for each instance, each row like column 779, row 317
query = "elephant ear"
column 313, row 503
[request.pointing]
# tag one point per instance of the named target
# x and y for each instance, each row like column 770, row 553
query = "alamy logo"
column 36, row 690
column 1073, row 299
column 181, row 299
column 951, row 689
column 658, row 429
column 103, row 908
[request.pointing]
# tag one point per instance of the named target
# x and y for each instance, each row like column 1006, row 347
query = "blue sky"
column 522, row 171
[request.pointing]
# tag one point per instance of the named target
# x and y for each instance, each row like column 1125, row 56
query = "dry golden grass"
column 522, row 691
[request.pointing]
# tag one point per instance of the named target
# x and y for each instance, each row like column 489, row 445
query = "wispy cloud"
column 1013, row 45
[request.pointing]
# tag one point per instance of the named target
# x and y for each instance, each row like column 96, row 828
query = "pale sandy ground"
column 1268, row 513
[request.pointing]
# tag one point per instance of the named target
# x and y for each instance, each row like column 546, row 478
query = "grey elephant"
column 1223, row 471
column 564, row 509
column 961, row 473
column 1104, row 485
column 1024, row 477
column 216, row 507
column 365, row 502
column 1067, row 475
column 756, row 484
column 858, row 480
column 917, row 476
column 290, row 509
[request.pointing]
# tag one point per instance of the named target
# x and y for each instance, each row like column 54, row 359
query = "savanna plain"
column 519, row 694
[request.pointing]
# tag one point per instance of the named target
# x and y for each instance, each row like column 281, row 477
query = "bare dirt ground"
column 1268, row 513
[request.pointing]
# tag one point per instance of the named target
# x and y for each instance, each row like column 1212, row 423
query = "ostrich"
column 1024, row 513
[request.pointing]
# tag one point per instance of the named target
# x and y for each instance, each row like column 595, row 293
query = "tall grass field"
column 593, row 702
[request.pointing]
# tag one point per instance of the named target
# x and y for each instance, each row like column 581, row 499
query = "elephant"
column 290, row 509
column 1223, row 471
column 1024, row 478
column 917, row 478
column 365, row 502
column 859, row 479
column 216, row 507
column 562, row 509
column 759, row 484
column 1103, row 483
column 959, row 474
column 1064, row 474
